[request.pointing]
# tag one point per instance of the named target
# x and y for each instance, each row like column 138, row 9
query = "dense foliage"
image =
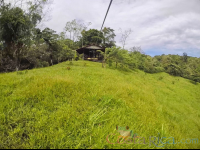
column 24, row 46
column 183, row 66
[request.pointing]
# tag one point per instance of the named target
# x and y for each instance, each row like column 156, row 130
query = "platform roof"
column 90, row 47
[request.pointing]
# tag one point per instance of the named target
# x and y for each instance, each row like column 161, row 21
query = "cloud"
column 159, row 26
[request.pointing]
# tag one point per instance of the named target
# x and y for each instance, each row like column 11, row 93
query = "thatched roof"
column 90, row 47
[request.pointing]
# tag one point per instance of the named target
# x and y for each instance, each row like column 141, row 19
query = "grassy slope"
column 58, row 108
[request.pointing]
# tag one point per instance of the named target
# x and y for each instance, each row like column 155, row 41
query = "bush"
column 141, row 66
column 149, row 69
column 174, row 70
column 132, row 65
column 45, row 64
column 159, row 69
column 110, row 62
column 38, row 63
column 195, row 78
column 76, row 58
column 81, row 57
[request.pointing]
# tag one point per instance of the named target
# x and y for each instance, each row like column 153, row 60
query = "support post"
column 83, row 54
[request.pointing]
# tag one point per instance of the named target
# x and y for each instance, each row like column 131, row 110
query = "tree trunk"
column 124, row 43
column 17, row 68
column 82, row 41
column 1, row 57
column 16, row 58
column 17, row 63
column 73, row 38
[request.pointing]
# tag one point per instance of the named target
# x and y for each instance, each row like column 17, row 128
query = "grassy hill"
column 78, row 108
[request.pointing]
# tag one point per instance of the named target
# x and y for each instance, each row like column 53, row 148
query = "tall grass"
column 56, row 107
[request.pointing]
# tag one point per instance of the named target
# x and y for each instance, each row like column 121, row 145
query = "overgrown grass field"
column 79, row 106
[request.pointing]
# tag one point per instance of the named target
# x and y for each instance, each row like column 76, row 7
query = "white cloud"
column 160, row 26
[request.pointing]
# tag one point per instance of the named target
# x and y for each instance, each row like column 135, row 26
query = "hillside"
column 54, row 107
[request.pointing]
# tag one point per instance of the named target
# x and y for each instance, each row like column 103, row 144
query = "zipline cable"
column 105, row 18
column 106, row 13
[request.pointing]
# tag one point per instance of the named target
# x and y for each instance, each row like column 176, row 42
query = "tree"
column 148, row 65
column 69, row 27
column 109, row 35
column 195, row 77
column 62, row 36
column 33, row 7
column 75, row 28
column 118, row 55
column 49, row 36
column 174, row 69
column 124, row 36
column 15, row 28
column 58, row 49
column 83, row 30
column 93, row 36
column 185, row 57
column 137, row 49
column 105, row 56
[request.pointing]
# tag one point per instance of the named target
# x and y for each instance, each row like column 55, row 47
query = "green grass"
column 56, row 107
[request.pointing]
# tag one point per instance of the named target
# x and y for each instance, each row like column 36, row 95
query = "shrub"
column 149, row 69
column 160, row 78
column 110, row 62
column 159, row 69
column 81, row 57
column 38, row 63
column 195, row 79
column 174, row 69
column 76, row 58
column 45, row 64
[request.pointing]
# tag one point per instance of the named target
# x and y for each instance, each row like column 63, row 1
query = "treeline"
column 24, row 46
column 183, row 66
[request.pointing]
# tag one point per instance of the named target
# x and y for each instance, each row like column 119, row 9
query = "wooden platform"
column 92, row 59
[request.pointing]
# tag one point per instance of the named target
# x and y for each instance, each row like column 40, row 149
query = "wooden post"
column 83, row 54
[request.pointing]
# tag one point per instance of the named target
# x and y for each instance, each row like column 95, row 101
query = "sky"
column 159, row 26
